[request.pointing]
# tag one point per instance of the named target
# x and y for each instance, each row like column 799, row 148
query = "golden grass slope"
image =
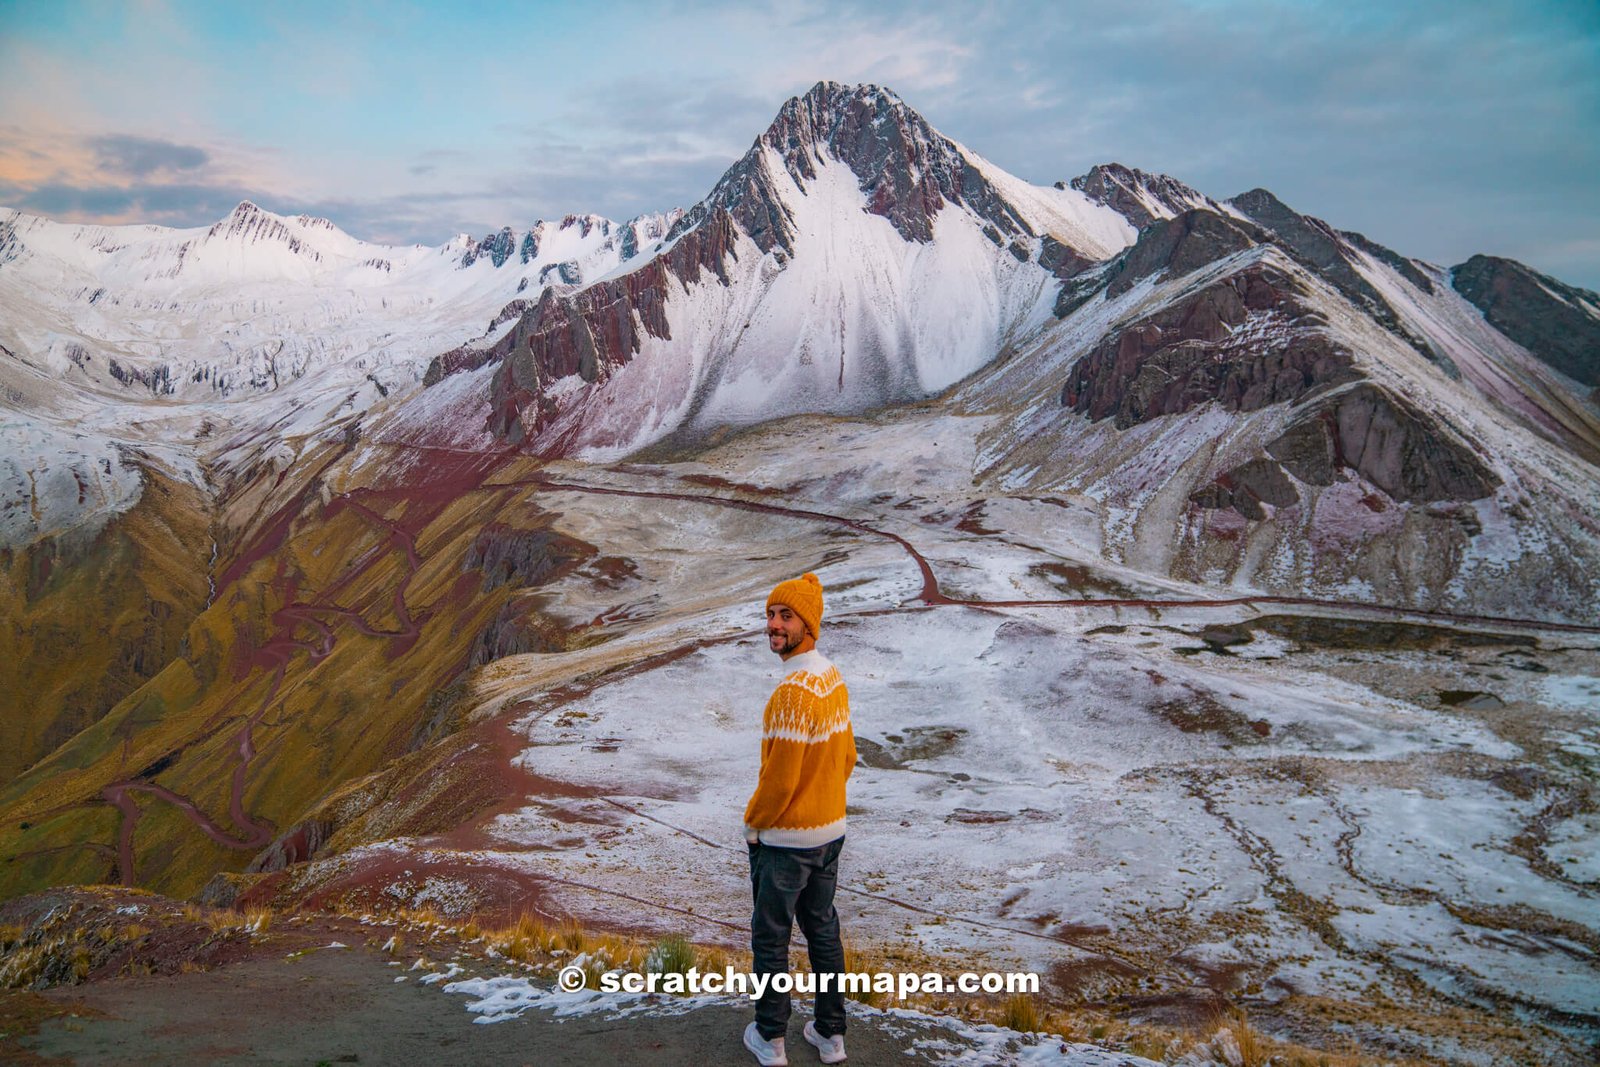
column 91, row 619
column 340, row 621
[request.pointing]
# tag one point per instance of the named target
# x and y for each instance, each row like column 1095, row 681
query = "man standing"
column 794, row 823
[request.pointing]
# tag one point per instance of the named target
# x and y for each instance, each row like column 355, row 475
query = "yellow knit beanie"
column 803, row 596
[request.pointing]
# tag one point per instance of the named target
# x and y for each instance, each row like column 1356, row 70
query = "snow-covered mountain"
column 279, row 297
column 183, row 346
column 1253, row 399
column 1249, row 396
column 854, row 257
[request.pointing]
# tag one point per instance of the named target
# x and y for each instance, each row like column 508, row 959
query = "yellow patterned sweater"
column 807, row 752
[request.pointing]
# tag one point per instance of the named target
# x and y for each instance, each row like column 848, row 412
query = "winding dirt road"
column 931, row 593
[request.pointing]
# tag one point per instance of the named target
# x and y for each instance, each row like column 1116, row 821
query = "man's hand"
column 751, row 834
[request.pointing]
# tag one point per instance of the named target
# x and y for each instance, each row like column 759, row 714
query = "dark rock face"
column 157, row 379
column 1128, row 191
column 1061, row 260
column 906, row 168
column 455, row 361
column 592, row 331
column 1193, row 353
column 566, row 272
column 298, row 844
column 586, row 224
column 1246, row 487
column 517, row 629
column 10, row 247
column 1180, row 245
column 1541, row 314
column 496, row 247
column 1316, row 242
column 522, row 558
column 530, row 246
column 1388, row 442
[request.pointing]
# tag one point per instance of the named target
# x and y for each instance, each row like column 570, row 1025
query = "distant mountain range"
column 1316, row 393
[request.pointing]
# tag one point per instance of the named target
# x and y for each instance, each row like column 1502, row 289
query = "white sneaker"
column 831, row 1049
column 767, row 1053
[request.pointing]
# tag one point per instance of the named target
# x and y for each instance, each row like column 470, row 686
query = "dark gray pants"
column 789, row 885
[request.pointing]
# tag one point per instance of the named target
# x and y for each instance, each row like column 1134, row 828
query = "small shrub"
column 1021, row 1013
column 671, row 955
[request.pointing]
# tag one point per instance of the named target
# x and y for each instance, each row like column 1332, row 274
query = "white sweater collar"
column 812, row 662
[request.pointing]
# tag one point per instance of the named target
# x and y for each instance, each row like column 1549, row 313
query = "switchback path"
column 933, row 595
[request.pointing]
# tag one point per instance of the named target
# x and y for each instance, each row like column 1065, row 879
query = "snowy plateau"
column 1216, row 589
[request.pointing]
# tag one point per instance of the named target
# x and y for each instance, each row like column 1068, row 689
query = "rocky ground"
column 124, row 977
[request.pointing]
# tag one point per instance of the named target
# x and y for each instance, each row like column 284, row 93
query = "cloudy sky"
column 1438, row 128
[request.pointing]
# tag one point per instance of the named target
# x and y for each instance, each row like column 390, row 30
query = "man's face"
column 785, row 631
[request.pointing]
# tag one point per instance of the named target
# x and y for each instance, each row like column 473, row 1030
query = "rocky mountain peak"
column 1139, row 196
column 907, row 170
column 1330, row 253
column 1557, row 322
column 250, row 224
column 495, row 247
column 817, row 117
column 586, row 224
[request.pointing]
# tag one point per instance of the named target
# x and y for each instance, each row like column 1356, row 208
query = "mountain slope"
column 1295, row 415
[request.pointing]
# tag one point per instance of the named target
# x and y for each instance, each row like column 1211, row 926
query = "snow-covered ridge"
column 119, row 308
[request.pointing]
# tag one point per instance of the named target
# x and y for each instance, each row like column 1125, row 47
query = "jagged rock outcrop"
column 295, row 845
column 1248, row 486
column 1557, row 322
column 495, row 247
column 157, row 379
column 596, row 329
column 9, row 245
column 249, row 223
column 520, row 558
column 566, row 272
column 1138, row 196
column 1363, row 429
column 1244, row 342
column 1180, row 245
column 1062, row 260
column 907, row 169
column 1389, row 442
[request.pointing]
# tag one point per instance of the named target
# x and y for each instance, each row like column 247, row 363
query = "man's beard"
column 789, row 644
